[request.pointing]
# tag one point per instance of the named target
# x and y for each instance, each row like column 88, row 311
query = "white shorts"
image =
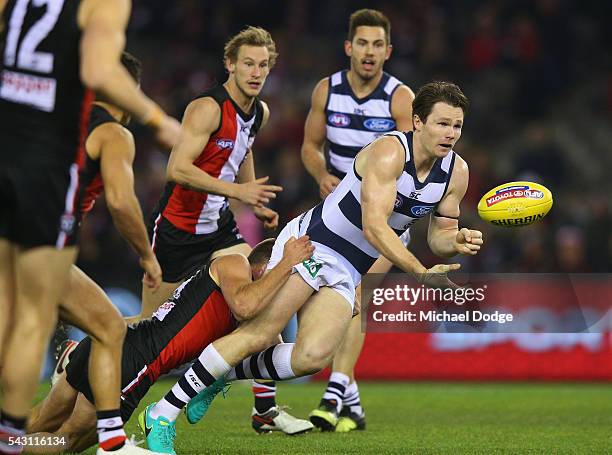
column 325, row 268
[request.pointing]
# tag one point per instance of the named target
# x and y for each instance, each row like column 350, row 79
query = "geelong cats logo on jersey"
column 379, row 124
column 339, row 120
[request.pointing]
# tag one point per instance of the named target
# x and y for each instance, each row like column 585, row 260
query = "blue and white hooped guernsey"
column 352, row 123
column 336, row 221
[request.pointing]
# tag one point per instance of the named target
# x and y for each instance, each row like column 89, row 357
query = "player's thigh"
column 151, row 300
column 322, row 325
column 86, row 306
column 80, row 428
column 271, row 321
column 55, row 409
column 241, row 248
column 41, row 275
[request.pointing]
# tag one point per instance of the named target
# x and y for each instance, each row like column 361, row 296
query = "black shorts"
column 132, row 363
column 39, row 203
column 181, row 254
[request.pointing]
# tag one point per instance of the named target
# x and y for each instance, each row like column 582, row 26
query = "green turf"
column 417, row 418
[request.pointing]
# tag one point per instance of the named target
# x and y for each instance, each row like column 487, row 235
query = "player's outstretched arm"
column 116, row 150
column 245, row 297
column 444, row 236
column 103, row 23
column 314, row 139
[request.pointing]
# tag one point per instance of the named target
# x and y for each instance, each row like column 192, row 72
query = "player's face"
column 250, row 69
column 368, row 51
column 442, row 130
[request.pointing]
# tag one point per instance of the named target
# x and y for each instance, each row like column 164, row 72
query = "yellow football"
column 515, row 204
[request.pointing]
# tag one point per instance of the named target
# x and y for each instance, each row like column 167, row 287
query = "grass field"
column 417, row 418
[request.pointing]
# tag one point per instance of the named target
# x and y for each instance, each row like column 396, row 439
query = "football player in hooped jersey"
column 349, row 110
column 367, row 216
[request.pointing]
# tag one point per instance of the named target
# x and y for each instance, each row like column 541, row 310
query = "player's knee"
column 111, row 333
column 311, row 359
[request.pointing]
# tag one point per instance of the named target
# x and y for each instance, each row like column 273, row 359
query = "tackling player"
column 205, row 307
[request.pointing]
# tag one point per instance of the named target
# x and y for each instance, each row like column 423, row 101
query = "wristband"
column 155, row 118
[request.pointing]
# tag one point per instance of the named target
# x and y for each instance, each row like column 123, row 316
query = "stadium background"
column 539, row 76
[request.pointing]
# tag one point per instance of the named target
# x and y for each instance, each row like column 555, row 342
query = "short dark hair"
column 371, row 18
column 438, row 91
column 133, row 65
column 262, row 252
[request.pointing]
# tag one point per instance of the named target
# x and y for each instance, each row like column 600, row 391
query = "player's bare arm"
column 103, row 23
column 380, row 164
column 245, row 297
column 444, row 236
column 401, row 108
column 314, row 139
column 115, row 146
column 201, row 118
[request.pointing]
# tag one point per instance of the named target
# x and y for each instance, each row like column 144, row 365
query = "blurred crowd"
column 538, row 74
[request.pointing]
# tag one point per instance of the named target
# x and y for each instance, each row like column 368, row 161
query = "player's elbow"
column 95, row 75
column 116, row 203
column 176, row 172
column 244, row 309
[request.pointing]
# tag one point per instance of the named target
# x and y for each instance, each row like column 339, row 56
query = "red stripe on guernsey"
column 184, row 205
column 214, row 320
column 79, row 160
column 93, row 190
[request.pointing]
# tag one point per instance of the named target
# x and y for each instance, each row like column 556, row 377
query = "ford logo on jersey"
column 340, row 120
column 421, row 210
column 379, row 124
column 225, row 143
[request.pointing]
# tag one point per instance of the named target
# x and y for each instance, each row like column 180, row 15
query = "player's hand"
column 168, row 132
column 256, row 192
column 468, row 241
column 153, row 274
column 297, row 251
column 268, row 216
column 327, row 184
column 436, row 277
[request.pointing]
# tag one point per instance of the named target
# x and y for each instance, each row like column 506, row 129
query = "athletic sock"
column 264, row 392
column 335, row 389
column 273, row 363
column 11, row 427
column 111, row 435
column 351, row 399
column 204, row 372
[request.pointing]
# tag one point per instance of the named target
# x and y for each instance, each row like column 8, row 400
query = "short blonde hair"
column 250, row 36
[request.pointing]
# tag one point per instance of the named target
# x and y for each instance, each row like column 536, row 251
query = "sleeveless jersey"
column 336, row 221
column 91, row 178
column 182, row 327
column 197, row 212
column 43, row 104
column 352, row 123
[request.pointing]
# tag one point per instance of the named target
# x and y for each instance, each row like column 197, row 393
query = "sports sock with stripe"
column 10, row 427
column 273, row 363
column 204, row 372
column 264, row 391
column 111, row 435
column 351, row 399
column 335, row 389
